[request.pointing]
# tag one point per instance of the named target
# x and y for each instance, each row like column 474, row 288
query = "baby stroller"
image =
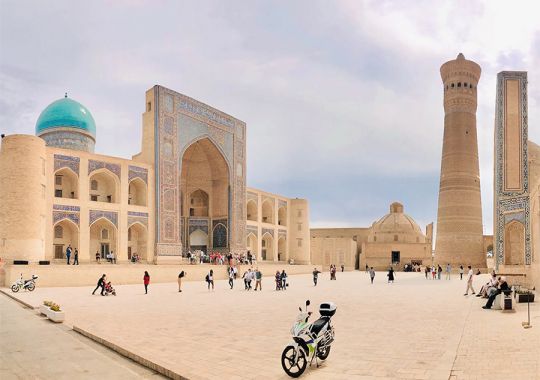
column 109, row 289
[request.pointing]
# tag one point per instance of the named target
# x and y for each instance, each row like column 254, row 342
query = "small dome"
column 396, row 224
column 66, row 113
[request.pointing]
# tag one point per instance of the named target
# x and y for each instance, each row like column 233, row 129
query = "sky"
column 342, row 99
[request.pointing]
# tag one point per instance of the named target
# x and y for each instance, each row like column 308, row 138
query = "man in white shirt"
column 469, row 282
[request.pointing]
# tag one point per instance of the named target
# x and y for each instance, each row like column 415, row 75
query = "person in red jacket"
column 146, row 280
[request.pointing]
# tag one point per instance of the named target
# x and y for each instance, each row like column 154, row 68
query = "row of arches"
column 103, row 186
column 267, row 213
column 267, row 247
column 103, row 240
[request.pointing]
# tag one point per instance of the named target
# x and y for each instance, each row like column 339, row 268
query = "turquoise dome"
column 68, row 113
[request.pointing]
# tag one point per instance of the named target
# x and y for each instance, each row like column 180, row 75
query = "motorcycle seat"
column 318, row 325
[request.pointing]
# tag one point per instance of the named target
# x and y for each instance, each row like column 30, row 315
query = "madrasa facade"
column 185, row 190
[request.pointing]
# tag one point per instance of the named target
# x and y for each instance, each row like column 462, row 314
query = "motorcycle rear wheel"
column 31, row 287
column 293, row 366
column 14, row 288
column 323, row 354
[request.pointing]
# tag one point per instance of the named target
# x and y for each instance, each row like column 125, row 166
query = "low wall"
column 119, row 274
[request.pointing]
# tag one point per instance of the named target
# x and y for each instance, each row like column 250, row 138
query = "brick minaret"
column 459, row 216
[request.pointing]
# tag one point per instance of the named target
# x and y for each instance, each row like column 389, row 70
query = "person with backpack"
column 180, row 277
column 315, row 276
column 258, row 279
column 372, row 274
column 284, row 280
column 146, row 281
column 210, row 279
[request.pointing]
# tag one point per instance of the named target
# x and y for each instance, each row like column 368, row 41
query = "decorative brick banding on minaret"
column 459, row 217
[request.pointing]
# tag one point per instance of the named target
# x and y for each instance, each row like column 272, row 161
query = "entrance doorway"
column 395, row 257
column 59, row 251
column 104, row 250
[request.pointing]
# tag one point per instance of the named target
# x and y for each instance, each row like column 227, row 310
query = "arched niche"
column 104, row 187
column 137, row 192
column 137, row 242
column 103, row 238
column 268, row 212
column 65, row 233
column 282, row 249
column 198, row 203
column 267, row 247
column 282, row 216
column 252, row 211
column 66, row 184
column 514, row 243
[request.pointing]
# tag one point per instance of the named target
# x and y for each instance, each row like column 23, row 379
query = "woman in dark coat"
column 146, row 280
column 390, row 275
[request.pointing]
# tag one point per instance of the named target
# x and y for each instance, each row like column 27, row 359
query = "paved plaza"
column 412, row 329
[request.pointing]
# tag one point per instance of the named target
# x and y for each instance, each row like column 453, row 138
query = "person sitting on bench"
column 501, row 288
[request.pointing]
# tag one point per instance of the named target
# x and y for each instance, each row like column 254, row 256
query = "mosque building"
column 394, row 240
column 185, row 190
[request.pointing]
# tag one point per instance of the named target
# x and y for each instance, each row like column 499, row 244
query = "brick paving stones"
column 412, row 329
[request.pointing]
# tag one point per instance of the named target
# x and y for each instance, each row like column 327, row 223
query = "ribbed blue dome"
column 64, row 113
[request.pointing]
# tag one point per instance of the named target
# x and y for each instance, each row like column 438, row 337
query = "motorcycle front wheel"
column 323, row 353
column 294, row 365
column 14, row 288
column 31, row 287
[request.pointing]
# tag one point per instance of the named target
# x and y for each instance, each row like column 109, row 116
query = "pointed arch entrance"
column 66, row 233
column 205, row 195
column 103, row 238
column 267, row 243
column 251, row 245
column 137, row 242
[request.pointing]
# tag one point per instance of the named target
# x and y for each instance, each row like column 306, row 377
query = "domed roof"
column 66, row 113
column 397, row 223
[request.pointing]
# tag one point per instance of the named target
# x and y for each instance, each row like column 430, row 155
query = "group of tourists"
column 220, row 258
column 281, row 280
column 110, row 257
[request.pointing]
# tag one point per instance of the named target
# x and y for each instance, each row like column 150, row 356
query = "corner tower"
column 459, row 216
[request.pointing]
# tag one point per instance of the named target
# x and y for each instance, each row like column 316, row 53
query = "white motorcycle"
column 24, row 284
column 311, row 341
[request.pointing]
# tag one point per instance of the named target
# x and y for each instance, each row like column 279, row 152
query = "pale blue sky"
column 342, row 99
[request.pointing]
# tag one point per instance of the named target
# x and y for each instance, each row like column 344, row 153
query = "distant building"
column 394, row 240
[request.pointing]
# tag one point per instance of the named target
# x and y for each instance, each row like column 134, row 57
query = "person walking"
column 367, row 268
column 342, row 268
column 461, row 272
column 98, row 257
column 258, row 279
column 448, row 271
column 210, row 279
column 180, row 277
column 146, row 281
column 278, row 280
column 372, row 274
column 433, row 272
column 469, row 282
column 315, row 276
column 68, row 253
column 439, row 272
column 231, row 277
column 390, row 275
column 426, row 271
column 283, row 280
column 100, row 284
column 76, row 257
column 245, row 278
